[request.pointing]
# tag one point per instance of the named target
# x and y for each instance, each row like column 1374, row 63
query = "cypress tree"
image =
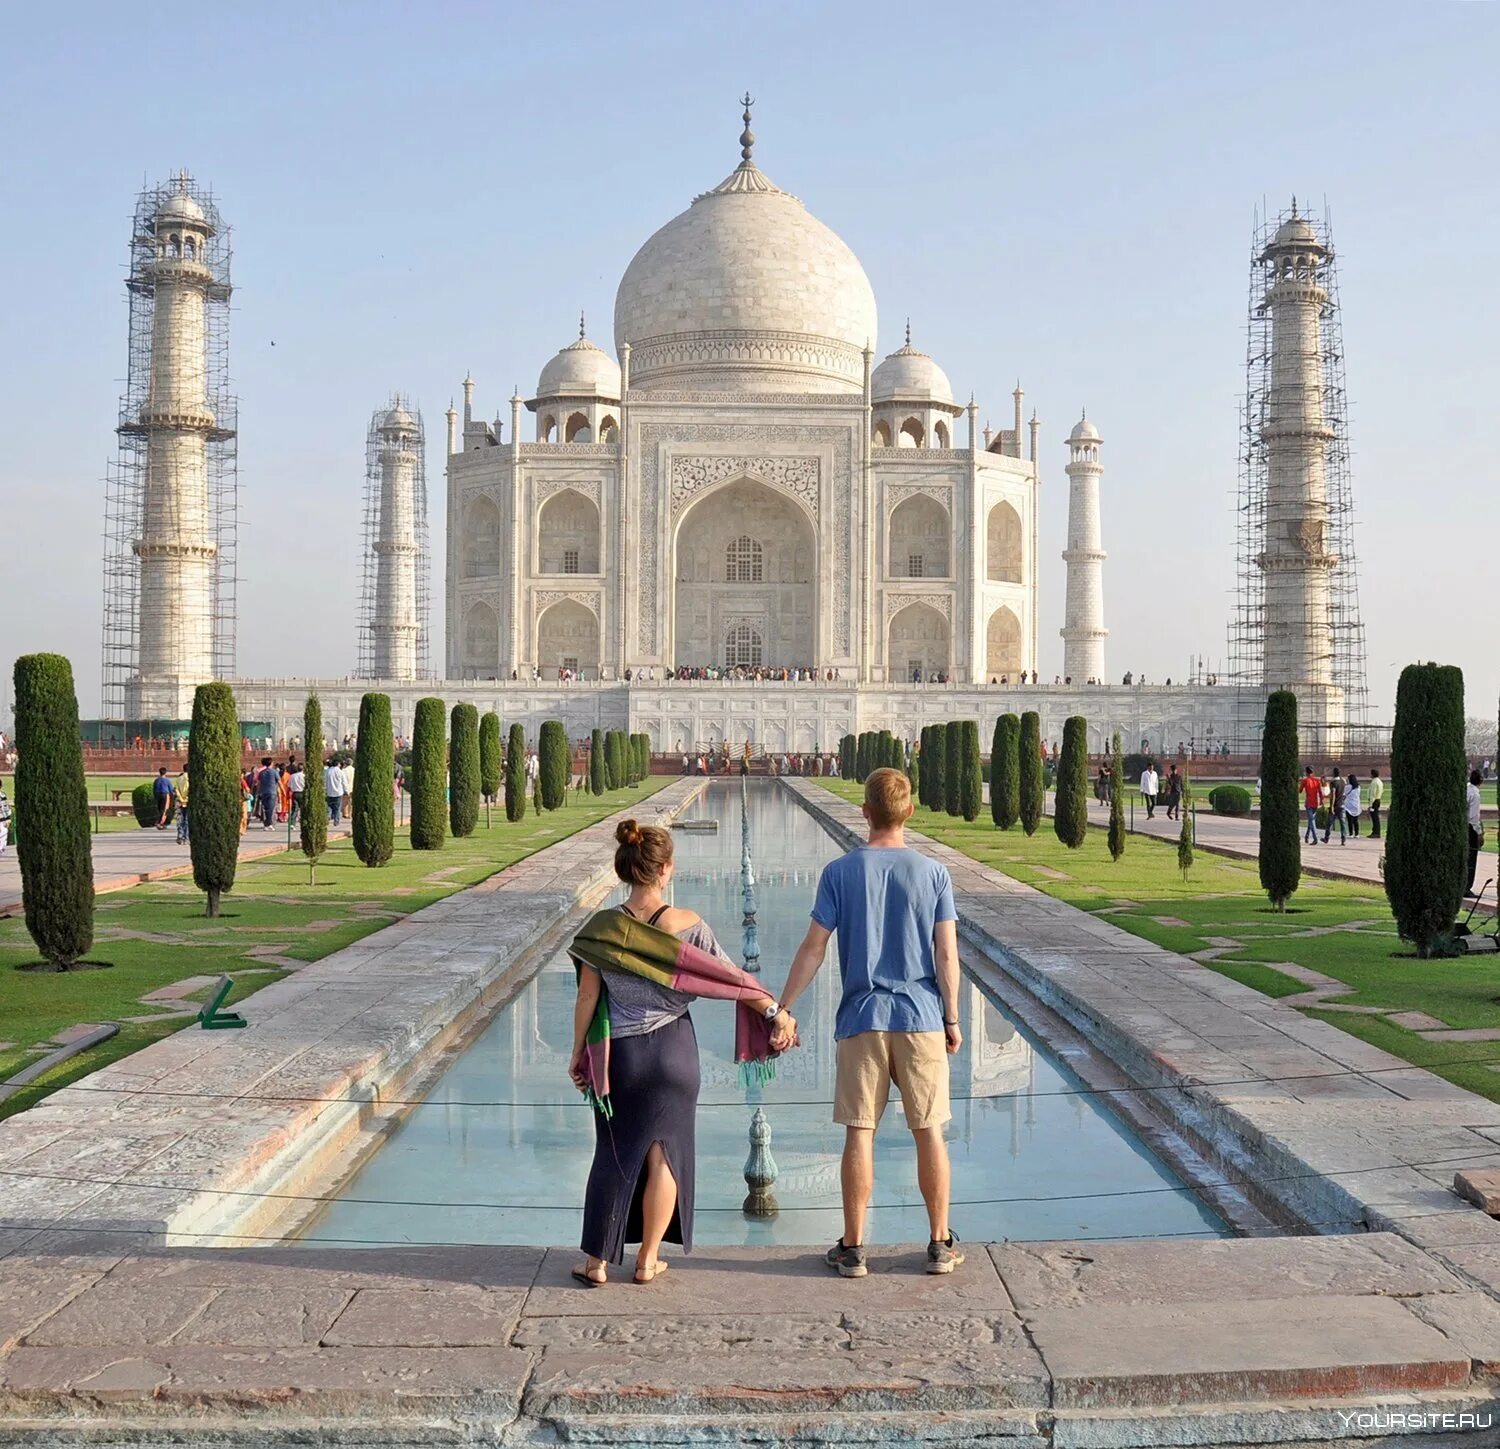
column 1426, row 848
column 515, row 774
column 1005, row 771
column 52, row 811
column 614, row 745
column 463, row 771
column 314, row 821
column 937, row 781
column 1070, row 806
column 491, row 757
column 1116, row 802
column 846, row 757
column 909, row 755
column 1185, row 830
column 1033, row 792
column 861, row 753
column 374, row 781
column 596, row 763
column 971, row 772
column 885, row 744
column 555, row 760
column 428, row 776
column 214, row 786
column 953, row 746
column 1280, row 830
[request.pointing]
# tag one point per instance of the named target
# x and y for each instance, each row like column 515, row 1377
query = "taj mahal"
column 741, row 521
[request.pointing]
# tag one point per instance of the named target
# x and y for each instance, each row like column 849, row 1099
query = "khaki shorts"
column 916, row 1061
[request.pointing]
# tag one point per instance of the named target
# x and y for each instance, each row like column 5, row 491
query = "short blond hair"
column 887, row 798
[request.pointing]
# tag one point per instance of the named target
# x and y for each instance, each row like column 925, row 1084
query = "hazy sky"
column 1059, row 192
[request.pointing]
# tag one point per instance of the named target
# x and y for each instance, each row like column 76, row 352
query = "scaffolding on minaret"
column 146, row 414
column 1338, row 637
column 395, row 589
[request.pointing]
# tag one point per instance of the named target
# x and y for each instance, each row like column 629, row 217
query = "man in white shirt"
column 347, row 770
column 1149, row 782
column 533, row 768
column 1476, row 829
column 299, row 790
column 1377, row 794
column 333, row 790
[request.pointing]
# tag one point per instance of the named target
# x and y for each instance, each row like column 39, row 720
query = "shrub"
column 1033, row 789
column 555, row 761
column 314, row 820
column 374, row 782
column 491, row 757
column 463, row 770
column 596, row 763
column 1231, row 799
column 147, row 811
column 1426, row 850
column 51, row 818
column 1116, row 801
column 1070, row 805
column 428, row 776
column 1185, row 829
column 937, row 778
column 515, row 774
column 1005, row 766
column 846, row 757
column 953, row 747
column 214, row 783
column 1280, row 852
column 970, row 771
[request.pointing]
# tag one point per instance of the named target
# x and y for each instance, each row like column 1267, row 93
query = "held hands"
column 783, row 1031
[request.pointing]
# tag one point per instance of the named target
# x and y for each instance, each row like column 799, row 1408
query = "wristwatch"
column 773, row 1011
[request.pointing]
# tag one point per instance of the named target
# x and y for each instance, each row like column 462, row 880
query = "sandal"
column 586, row 1277
column 656, row 1272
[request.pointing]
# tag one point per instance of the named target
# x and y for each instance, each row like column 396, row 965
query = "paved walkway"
column 125, row 858
column 1358, row 858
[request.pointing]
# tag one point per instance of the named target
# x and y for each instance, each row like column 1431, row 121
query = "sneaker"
column 849, row 1262
column 944, row 1255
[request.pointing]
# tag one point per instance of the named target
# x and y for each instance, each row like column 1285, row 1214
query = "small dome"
column 397, row 419
column 581, row 370
column 911, row 376
column 1084, row 432
column 180, row 210
column 1295, row 229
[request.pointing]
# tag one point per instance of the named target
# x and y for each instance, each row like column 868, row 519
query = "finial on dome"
column 580, row 324
column 1294, row 206
column 747, row 136
column 908, row 331
column 182, row 182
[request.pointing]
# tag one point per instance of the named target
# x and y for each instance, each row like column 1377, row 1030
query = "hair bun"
column 628, row 832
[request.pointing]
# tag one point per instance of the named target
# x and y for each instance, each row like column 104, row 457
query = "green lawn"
column 156, row 934
column 1343, row 929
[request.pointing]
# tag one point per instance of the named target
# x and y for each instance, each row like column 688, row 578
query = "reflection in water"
column 464, row 1170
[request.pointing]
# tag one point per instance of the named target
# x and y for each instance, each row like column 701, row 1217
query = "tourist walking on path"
column 161, row 788
column 1312, row 799
column 892, row 910
column 347, row 771
column 299, row 790
column 1352, row 805
column 635, row 1055
column 1335, row 802
column 1174, row 793
column 4, row 820
column 1377, row 794
column 333, row 790
column 267, row 787
column 1476, row 828
column 180, row 796
column 1149, row 782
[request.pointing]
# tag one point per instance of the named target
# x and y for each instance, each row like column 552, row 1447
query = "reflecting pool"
column 500, row 1149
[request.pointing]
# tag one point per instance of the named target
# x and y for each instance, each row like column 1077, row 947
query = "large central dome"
column 745, row 291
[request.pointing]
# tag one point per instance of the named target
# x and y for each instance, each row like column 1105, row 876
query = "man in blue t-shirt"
column 892, row 910
column 161, row 789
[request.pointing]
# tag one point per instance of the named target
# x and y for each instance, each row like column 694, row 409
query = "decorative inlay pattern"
column 797, row 476
column 544, row 488
column 898, row 493
column 943, row 603
column 545, row 598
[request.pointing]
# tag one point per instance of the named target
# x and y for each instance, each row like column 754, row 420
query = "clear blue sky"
column 1060, row 192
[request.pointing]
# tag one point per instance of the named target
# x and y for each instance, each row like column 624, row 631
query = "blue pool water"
column 1031, row 1155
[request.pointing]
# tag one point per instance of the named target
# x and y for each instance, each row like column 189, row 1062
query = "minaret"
column 177, row 545
column 1295, row 559
column 1084, row 632
column 397, row 501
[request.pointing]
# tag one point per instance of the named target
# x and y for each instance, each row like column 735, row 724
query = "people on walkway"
column 1312, row 800
column 180, row 798
column 893, row 912
column 1476, row 829
column 161, row 790
column 299, row 790
column 1334, row 799
column 333, row 790
column 1174, row 793
column 346, row 769
column 4, row 820
column 635, row 1055
column 1149, row 783
column 1352, row 805
column 1377, row 794
column 267, row 789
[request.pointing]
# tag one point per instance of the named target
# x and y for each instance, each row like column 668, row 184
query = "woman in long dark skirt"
column 640, row 1188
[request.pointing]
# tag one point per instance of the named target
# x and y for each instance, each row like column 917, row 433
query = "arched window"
column 546, row 429
column 742, row 646
column 882, row 434
column 911, row 434
column 189, row 250
column 940, row 435
column 744, row 561
column 609, row 432
column 1003, row 552
column 919, row 538
column 578, row 430
column 568, row 534
column 481, row 540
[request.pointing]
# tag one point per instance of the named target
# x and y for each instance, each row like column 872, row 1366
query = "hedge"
column 953, row 754
column 214, row 791
column 51, row 811
column 1116, row 836
column 1070, row 804
column 970, row 771
column 314, row 819
column 937, row 779
column 1280, row 850
column 1005, row 771
column 1033, row 789
column 428, row 776
column 463, row 770
column 1426, row 848
column 491, row 756
column 597, row 784
column 1230, row 799
column 374, row 782
column 555, row 761
column 846, row 757
column 515, row 774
